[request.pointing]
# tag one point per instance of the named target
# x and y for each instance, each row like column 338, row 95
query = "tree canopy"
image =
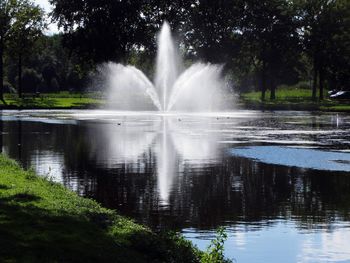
column 21, row 24
column 262, row 44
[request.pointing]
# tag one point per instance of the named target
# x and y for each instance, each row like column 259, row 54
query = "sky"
column 52, row 28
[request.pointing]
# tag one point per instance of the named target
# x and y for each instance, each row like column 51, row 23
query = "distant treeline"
column 48, row 67
column 263, row 44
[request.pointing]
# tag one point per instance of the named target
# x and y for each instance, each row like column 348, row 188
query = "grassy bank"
column 41, row 221
column 59, row 100
column 292, row 99
column 286, row 99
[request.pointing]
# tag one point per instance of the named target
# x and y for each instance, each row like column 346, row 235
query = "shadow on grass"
column 31, row 234
column 30, row 102
column 48, row 103
column 86, row 105
column 4, row 187
column 37, row 102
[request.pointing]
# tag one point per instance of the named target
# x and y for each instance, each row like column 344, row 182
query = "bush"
column 303, row 85
column 299, row 85
column 8, row 88
column 76, row 81
column 31, row 80
column 54, row 86
column 215, row 251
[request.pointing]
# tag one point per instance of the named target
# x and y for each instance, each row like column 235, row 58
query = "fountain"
column 198, row 88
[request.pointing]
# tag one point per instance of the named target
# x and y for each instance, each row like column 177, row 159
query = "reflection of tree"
column 202, row 195
column 19, row 140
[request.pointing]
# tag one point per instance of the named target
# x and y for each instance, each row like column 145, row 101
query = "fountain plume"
column 168, row 64
column 198, row 88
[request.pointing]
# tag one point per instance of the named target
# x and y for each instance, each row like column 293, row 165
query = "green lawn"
column 60, row 100
column 286, row 99
column 292, row 99
column 41, row 221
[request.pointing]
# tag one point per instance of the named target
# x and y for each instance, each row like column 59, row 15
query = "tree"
column 100, row 30
column 7, row 14
column 269, row 31
column 326, row 40
column 53, row 61
column 27, row 26
column 338, row 59
column 213, row 29
column 266, row 40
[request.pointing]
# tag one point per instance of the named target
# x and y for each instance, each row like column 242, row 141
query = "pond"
column 278, row 181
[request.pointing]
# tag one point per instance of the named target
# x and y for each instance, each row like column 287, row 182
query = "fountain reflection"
column 166, row 163
column 121, row 143
column 174, row 141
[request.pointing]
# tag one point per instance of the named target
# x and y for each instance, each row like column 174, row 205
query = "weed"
column 215, row 251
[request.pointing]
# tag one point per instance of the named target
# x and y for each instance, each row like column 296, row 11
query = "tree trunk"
column 332, row 82
column 19, row 140
column 1, row 68
column 263, row 81
column 314, row 83
column 19, row 74
column 273, row 89
column 321, row 78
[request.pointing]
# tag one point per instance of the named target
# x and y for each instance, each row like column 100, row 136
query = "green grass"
column 281, row 95
column 292, row 99
column 60, row 100
column 41, row 221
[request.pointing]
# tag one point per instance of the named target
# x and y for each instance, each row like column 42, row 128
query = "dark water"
column 279, row 182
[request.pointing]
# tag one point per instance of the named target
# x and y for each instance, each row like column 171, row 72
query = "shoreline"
column 289, row 99
column 258, row 107
column 296, row 107
column 42, row 221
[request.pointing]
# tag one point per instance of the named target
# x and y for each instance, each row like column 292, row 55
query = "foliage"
column 32, row 80
column 59, row 69
column 8, row 88
column 22, row 23
column 215, row 252
column 326, row 39
column 114, row 27
column 28, row 23
column 262, row 44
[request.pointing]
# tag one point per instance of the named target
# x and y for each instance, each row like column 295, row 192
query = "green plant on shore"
column 215, row 251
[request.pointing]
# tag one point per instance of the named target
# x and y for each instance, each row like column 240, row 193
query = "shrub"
column 215, row 251
column 8, row 88
column 31, row 80
column 299, row 85
column 54, row 86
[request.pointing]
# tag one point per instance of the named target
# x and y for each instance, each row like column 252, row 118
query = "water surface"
column 279, row 182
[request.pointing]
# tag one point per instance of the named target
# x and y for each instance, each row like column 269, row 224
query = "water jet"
column 201, row 87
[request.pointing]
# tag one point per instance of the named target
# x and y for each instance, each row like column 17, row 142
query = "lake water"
column 278, row 181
